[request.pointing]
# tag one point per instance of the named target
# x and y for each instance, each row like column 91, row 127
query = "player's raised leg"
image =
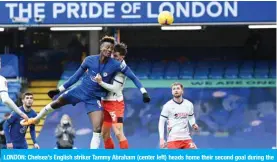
column 56, row 104
column 4, row 96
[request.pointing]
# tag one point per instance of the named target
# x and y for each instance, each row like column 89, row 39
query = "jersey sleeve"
column 84, row 64
column 5, row 83
column 33, row 133
column 117, row 83
column 165, row 111
column 191, row 117
column 7, row 124
column 120, row 78
column 14, row 116
column 191, row 112
column 77, row 75
column 129, row 73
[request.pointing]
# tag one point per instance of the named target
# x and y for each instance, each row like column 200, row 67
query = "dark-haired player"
column 113, row 103
column 89, row 91
column 14, row 132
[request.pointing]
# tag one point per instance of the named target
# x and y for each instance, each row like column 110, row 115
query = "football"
column 165, row 18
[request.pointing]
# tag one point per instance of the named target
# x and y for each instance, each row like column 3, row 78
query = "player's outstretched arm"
column 129, row 73
column 72, row 80
column 9, row 102
column 115, row 87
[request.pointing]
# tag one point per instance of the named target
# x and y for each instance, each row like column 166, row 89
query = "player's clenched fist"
column 53, row 93
column 10, row 145
column 98, row 78
column 195, row 127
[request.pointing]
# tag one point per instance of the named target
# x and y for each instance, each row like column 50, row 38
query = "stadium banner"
column 203, row 83
column 209, row 83
column 139, row 155
column 51, row 13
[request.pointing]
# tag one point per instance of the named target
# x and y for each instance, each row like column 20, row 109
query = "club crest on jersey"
column 23, row 129
column 105, row 74
column 92, row 78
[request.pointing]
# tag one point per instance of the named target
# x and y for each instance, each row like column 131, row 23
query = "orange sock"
column 109, row 144
column 123, row 144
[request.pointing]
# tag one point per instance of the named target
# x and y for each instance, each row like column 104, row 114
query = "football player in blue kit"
column 89, row 91
column 14, row 131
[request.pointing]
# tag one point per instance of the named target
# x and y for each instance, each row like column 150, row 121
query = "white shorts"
column 3, row 84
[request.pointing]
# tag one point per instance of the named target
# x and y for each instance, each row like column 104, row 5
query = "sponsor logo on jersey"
column 180, row 115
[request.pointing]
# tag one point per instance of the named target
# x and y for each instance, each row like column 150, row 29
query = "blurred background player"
column 14, row 131
column 177, row 112
column 89, row 90
column 4, row 96
column 113, row 104
column 65, row 133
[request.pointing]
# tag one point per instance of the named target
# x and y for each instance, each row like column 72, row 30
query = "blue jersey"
column 91, row 66
column 15, row 132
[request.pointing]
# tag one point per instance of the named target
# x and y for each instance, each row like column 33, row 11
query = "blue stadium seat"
column 133, row 65
column 71, row 66
column 14, row 84
column 204, row 64
column 272, row 64
column 189, row 63
column 218, row 64
column 246, row 72
column 186, row 72
column 261, row 74
column 272, row 73
column 216, row 72
column 9, row 66
column 14, row 89
column 232, row 64
column 158, row 69
column 262, row 64
column 261, row 70
column 201, row 73
column 67, row 74
column 13, row 96
column 143, row 70
column 231, row 73
column 172, row 71
column 248, row 63
column 4, row 109
column 247, row 69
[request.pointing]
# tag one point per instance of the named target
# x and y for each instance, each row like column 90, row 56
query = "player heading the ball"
column 89, row 91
